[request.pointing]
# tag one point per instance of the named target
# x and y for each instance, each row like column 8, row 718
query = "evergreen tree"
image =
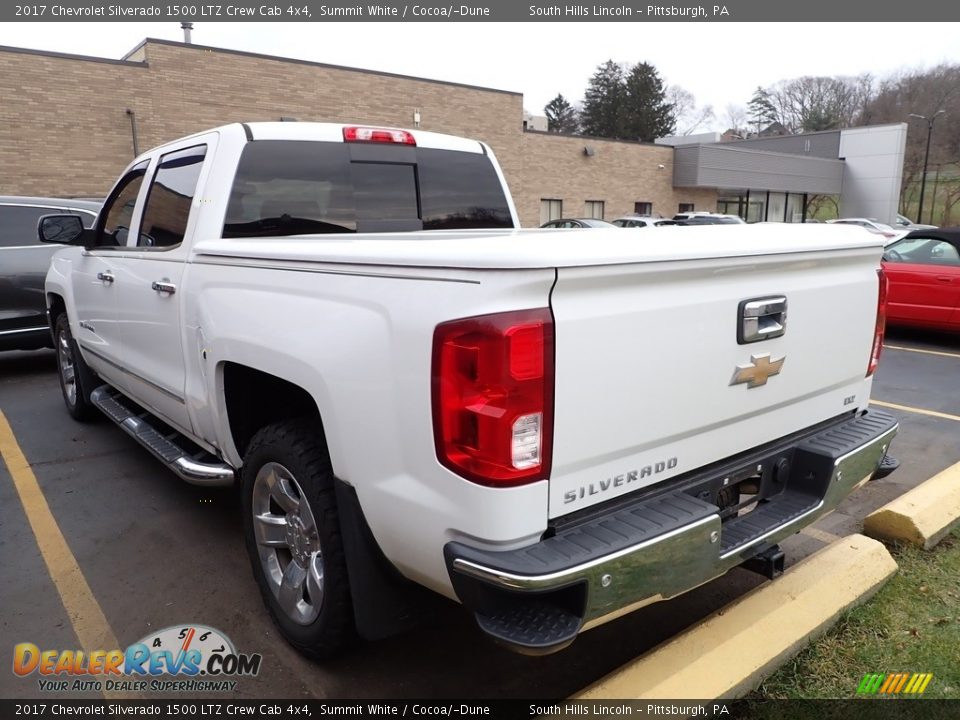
column 561, row 116
column 645, row 114
column 603, row 102
column 761, row 109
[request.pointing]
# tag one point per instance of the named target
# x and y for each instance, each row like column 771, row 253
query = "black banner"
column 481, row 10
column 858, row 709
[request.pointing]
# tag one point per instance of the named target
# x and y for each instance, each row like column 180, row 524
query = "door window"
column 924, row 251
column 18, row 224
column 170, row 198
column 117, row 213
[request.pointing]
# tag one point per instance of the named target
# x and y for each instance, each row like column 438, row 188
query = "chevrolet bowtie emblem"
column 756, row 373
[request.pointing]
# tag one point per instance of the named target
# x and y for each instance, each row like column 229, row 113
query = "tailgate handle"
column 761, row 319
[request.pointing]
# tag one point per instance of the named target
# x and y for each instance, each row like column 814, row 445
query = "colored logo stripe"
column 894, row 683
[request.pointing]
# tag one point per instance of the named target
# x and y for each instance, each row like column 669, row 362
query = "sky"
column 720, row 63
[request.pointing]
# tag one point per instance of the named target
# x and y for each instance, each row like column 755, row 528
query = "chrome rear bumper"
column 657, row 548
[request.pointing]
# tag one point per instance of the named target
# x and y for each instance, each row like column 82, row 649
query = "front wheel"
column 293, row 537
column 73, row 372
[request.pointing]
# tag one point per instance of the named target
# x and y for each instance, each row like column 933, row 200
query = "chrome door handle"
column 164, row 286
column 106, row 277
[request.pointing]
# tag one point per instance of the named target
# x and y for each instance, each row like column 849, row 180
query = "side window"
column 170, row 198
column 18, row 224
column 117, row 213
column 923, row 251
column 943, row 253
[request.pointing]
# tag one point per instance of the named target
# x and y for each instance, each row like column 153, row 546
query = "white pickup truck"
column 551, row 427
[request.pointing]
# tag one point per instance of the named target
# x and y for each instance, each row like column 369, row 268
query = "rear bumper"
column 536, row 599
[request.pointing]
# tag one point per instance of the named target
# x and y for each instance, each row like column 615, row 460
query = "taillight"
column 378, row 135
column 880, row 327
column 493, row 396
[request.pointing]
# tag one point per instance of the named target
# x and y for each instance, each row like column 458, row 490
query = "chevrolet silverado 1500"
column 551, row 427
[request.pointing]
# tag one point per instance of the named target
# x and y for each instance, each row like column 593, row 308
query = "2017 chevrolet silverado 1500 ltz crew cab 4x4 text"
column 551, row 427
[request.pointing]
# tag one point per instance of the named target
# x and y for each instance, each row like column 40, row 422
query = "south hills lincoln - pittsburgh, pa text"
column 567, row 11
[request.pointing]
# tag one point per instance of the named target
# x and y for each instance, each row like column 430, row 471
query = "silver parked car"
column 577, row 223
column 642, row 221
column 23, row 267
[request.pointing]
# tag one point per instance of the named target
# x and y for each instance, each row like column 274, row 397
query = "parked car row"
column 23, row 267
column 922, row 263
column 643, row 221
column 871, row 225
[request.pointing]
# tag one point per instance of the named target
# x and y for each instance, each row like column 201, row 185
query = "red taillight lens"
column 378, row 135
column 881, row 325
column 493, row 396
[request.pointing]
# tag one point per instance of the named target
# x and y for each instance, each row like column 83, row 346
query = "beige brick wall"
column 619, row 173
column 64, row 128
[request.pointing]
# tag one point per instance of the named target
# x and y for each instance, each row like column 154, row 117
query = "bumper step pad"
column 535, row 626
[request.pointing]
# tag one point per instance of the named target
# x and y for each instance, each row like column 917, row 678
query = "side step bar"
column 200, row 468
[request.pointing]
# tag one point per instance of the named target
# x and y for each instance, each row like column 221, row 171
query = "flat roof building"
column 69, row 124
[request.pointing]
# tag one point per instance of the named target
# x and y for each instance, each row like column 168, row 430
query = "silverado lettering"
column 618, row 480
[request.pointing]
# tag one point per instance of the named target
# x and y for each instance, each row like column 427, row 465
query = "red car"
column 923, row 271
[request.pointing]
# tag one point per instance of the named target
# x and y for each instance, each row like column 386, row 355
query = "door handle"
column 944, row 278
column 106, row 277
column 762, row 319
column 164, row 286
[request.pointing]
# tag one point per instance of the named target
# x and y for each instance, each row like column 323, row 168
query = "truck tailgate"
column 647, row 355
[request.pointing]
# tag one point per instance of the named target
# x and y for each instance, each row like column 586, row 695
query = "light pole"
column 926, row 157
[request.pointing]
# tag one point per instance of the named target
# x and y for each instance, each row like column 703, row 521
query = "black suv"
column 23, row 267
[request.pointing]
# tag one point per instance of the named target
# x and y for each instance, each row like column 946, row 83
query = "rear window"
column 285, row 187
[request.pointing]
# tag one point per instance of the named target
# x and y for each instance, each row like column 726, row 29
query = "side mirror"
column 60, row 229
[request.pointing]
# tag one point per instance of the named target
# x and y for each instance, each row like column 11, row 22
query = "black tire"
column 76, row 379
column 297, row 447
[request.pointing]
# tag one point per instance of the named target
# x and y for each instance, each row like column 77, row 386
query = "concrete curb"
column 731, row 652
column 922, row 516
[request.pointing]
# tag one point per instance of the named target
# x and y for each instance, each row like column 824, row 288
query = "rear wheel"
column 293, row 537
column 73, row 371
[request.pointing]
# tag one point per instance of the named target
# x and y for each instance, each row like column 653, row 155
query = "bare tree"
column 688, row 117
column 736, row 119
column 923, row 92
column 809, row 104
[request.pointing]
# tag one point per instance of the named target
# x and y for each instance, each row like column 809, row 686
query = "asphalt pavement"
column 156, row 552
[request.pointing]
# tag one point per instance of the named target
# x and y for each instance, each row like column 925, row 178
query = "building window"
column 686, row 207
column 643, row 208
column 550, row 210
column 594, row 209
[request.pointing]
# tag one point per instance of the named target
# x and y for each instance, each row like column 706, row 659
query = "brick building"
column 68, row 124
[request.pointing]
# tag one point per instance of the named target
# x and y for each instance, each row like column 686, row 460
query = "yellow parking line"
column 918, row 411
column 920, row 350
column 87, row 618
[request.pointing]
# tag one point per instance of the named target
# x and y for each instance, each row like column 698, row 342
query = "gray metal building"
column 772, row 179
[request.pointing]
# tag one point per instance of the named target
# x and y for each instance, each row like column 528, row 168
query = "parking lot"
column 157, row 552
